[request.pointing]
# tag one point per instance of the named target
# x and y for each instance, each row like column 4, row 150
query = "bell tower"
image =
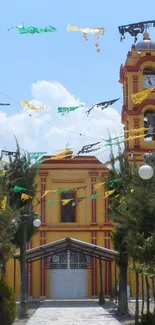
column 137, row 75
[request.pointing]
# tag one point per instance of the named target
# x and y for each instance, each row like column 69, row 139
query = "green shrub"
column 148, row 319
column 7, row 304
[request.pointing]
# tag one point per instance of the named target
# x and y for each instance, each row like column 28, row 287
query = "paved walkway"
column 71, row 313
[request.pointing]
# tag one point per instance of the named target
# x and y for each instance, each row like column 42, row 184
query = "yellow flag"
column 139, row 97
column 25, row 103
column 3, row 203
column 72, row 28
column 25, row 197
column 66, row 201
column 136, row 130
column 46, row 192
column 134, row 137
column 108, row 193
column 97, row 186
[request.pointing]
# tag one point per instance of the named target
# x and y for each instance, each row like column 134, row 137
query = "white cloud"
column 38, row 132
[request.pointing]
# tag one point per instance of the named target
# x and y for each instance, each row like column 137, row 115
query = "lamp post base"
column 23, row 312
column 101, row 299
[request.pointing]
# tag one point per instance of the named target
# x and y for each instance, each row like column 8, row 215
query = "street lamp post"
column 23, row 299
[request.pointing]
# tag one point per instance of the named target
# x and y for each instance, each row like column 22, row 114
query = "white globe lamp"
column 146, row 171
column 37, row 223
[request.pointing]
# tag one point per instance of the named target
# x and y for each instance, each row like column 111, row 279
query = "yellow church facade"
column 88, row 220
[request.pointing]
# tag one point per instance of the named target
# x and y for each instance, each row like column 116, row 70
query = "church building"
column 76, row 236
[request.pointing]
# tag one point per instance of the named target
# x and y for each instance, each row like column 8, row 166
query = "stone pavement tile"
column 92, row 314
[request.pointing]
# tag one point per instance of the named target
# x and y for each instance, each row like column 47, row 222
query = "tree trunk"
column 21, row 267
column 137, row 298
column 147, row 294
column 122, row 300
column 142, row 294
column 153, row 291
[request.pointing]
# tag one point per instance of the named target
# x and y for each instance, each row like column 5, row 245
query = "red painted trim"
column 103, row 169
column 29, row 272
column 72, row 229
column 141, row 150
column 108, row 277
column 94, row 266
column 136, row 68
column 93, row 202
column 78, row 160
column 122, row 73
column 126, row 99
column 136, row 109
column 43, row 200
column 42, row 266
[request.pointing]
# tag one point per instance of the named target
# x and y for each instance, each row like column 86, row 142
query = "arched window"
column 149, row 122
column 148, row 70
column 68, row 260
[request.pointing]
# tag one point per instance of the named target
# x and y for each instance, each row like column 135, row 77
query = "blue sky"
column 65, row 57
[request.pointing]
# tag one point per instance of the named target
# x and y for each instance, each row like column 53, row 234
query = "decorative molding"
column 94, row 266
column 126, row 96
column 135, row 83
column 93, row 173
column 136, row 68
column 59, row 181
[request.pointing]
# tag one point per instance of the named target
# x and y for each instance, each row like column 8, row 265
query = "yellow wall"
column 69, row 176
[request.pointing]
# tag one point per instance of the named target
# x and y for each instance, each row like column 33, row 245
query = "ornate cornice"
column 139, row 63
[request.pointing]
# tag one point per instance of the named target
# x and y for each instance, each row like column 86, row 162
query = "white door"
column 68, row 276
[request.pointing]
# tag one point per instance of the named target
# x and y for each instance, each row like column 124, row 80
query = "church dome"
column 146, row 43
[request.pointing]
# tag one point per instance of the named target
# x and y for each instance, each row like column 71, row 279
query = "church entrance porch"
column 68, row 276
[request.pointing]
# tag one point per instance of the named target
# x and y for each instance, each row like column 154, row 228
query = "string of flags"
column 102, row 105
column 139, row 97
column 68, row 109
column 97, row 186
column 97, row 32
column 34, row 157
column 25, row 103
column 33, row 30
column 135, row 28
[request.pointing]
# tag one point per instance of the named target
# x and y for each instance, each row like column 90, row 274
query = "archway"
column 68, row 275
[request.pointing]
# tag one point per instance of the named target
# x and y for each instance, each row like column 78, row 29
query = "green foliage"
column 17, row 175
column 148, row 319
column 7, row 229
column 7, row 304
column 31, row 230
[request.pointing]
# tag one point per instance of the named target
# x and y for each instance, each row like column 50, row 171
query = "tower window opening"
column 148, row 70
column 149, row 122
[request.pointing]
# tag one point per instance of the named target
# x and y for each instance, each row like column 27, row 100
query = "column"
column 43, row 178
column 136, row 141
column 135, row 84
column 42, row 266
column 29, row 272
column 108, row 280
column 93, row 177
column 94, row 265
